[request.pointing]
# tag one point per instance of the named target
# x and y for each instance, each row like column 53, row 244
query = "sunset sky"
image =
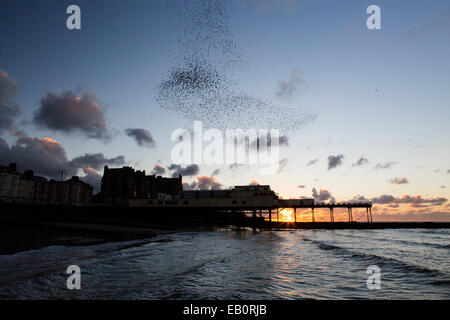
column 379, row 100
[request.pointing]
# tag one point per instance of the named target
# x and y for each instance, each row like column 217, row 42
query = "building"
column 9, row 182
column 121, row 184
column 32, row 188
column 69, row 192
column 28, row 188
column 239, row 197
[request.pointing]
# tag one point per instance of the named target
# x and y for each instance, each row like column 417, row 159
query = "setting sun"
column 286, row 215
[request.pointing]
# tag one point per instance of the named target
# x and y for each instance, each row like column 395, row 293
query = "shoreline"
column 32, row 236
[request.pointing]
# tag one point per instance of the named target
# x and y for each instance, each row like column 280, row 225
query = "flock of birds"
column 201, row 85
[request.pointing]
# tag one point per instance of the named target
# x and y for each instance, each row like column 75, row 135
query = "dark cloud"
column 385, row 165
column 47, row 156
column 287, row 89
column 158, row 169
column 399, row 181
column 283, row 141
column 301, row 186
column 44, row 156
column 69, row 113
column 95, row 161
column 215, row 172
column 143, row 137
column 361, row 161
column 253, row 145
column 335, row 161
column 448, row 171
column 8, row 108
column 322, row 196
column 190, row 170
column 310, row 163
column 443, row 187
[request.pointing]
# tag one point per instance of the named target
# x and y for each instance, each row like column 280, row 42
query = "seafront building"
column 29, row 188
column 119, row 185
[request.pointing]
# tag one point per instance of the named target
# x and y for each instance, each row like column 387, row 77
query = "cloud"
column 443, row 187
column 253, row 145
column 143, row 137
column 236, row 166
column 399, row 181
column 282, row 165
column 203, row 183
column 301, row 186
column 283, row 140
column 47, row 156
column 158, row 169
column 385, row 165
column 361, row 161
column 44, row 156
column 335, row 161
column 448, row 171
column 69, row 114
column 384, row 199
column 8, row 108
column 311, row 162
column 215, row 172
column 95, row 161
column 322, row 195
column 387, row 199
column 190, row 170
column 359, row 198
column 92, row 177
column 287, row 89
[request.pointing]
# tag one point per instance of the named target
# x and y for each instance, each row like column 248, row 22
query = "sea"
column 241, row 264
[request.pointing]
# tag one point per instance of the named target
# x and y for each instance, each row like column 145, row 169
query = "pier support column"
column 350, row 216
column 278, row 218
column 370, row 211
column 312, row 211
column 254, row 214
column 270, row 215
column 331, row 214
column 295, row 214
column 367, row 212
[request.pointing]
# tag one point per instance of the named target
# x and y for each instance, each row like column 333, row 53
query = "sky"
column 378, row 101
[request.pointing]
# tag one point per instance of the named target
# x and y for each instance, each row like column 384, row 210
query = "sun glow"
column 286, row 215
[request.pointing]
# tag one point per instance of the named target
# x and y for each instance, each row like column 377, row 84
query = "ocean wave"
column 375, row 259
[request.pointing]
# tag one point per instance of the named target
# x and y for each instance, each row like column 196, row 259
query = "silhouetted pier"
column 310, row 204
